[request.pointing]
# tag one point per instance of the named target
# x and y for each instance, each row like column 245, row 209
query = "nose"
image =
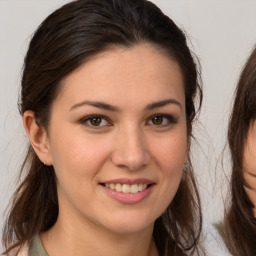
column 131, row 151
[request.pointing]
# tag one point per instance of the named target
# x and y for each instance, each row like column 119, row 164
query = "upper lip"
column 128, row 181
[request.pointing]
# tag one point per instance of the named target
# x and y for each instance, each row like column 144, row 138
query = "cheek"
column 171, row 155
column 172, row 152
column 77, row 162
column 250, row 180
column 249, row 162
column 78, row 155
column 249, row 165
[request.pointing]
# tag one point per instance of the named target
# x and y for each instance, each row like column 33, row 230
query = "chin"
column 130, row 223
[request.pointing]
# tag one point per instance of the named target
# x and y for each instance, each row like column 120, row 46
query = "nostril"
column 129, row 160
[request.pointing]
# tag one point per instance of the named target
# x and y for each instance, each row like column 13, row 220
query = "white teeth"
column 134, row 188
column 118, row 187
column 126, row 188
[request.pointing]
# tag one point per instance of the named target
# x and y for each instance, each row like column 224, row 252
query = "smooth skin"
column 250, row 165
column 120, row 115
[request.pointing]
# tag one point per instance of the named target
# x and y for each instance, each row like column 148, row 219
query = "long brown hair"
column 62, row 43
column 239, row 227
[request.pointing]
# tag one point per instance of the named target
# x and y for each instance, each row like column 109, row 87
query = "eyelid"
column 86, row 119
column 171, row 119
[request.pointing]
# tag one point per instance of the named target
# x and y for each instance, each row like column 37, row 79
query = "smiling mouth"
column 126, row 188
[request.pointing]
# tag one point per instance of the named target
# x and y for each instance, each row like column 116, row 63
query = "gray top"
column 36, row 248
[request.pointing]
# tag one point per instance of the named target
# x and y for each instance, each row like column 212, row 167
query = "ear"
column 38, row 137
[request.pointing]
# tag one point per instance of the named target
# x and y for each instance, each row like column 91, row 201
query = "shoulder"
column 213, row 243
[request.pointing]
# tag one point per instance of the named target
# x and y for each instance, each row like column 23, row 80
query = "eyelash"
column 169, row 119
column 89, row 119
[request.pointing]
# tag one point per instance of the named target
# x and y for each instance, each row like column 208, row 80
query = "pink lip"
column 129, row 198
column 128, row 181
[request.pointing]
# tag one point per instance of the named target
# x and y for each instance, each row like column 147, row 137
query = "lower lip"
column 129, row 198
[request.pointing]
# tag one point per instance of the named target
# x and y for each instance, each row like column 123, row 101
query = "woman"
column 108, row 100
column 239, row 227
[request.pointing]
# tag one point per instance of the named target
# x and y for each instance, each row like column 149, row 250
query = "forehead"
column 120, row 73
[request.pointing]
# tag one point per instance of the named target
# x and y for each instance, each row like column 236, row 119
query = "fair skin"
column 250, row 165
column 118, row 123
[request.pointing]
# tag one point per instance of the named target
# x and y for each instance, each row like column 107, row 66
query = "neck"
column 70, row 236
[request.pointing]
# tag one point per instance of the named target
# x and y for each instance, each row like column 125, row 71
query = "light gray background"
column 221, row 33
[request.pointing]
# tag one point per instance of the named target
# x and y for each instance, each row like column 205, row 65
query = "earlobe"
column 38, row 137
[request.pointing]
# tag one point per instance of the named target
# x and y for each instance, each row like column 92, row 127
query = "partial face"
column 118, row 139
column 250, row 165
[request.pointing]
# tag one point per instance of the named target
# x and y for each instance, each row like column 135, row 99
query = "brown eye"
column 95, row 121
column 161, row 120
column 157, row 120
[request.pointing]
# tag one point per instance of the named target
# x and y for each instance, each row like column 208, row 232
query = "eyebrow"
column 113, row 108
column 96, row 104
column 162, row 103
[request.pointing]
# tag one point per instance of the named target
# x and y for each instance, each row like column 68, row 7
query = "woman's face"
column 118, row 139
column 250, row 165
